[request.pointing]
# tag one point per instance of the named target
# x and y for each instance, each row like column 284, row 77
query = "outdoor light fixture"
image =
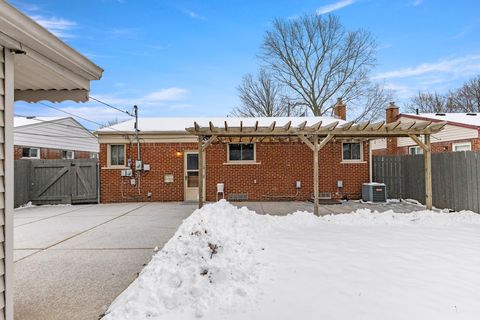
column 178, row 153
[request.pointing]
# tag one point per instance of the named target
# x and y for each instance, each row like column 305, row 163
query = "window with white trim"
column 463, row 146
column 352, row 151
column 31, row 152
column 68, row 155
column 241, row 152
column 117, row 155
column 415, row 150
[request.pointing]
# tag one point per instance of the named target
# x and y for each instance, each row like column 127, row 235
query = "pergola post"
column 427, row 157
column 315, row 175
column 200, row 171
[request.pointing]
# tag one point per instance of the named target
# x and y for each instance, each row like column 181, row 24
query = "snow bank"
column 211, row 260
column 230, row 263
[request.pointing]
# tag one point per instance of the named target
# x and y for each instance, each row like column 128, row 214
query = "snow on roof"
column 179, row 124
column 471, row 119
column 25, row 121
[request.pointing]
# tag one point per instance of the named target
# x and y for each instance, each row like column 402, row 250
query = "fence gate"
column 59, row 181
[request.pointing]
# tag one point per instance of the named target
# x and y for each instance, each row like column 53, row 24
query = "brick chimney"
column 340, row 110
column 392, row 113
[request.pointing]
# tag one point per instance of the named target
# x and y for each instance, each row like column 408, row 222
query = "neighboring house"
column 266, row 170
column 34, row 65
column 462, row 133
column 53, row 138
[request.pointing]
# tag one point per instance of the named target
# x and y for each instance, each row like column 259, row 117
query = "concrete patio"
column 71, row 262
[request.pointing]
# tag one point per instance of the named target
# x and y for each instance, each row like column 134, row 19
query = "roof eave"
column 27, row 32
column 459, row 124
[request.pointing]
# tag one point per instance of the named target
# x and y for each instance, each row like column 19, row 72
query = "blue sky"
column 186, row 58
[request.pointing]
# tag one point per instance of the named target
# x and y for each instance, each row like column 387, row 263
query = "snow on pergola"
column 316, row 136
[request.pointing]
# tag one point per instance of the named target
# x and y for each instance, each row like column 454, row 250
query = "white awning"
column 45, row 67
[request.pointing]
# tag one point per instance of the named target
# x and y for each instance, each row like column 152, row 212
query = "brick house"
column 255, row 171
column 462, row 133
column 53, row 138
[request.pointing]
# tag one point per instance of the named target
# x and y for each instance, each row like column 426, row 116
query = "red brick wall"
column 280, row 165
column 47, row 153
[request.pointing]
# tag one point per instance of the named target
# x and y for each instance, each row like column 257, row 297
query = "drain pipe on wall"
column 370, row 164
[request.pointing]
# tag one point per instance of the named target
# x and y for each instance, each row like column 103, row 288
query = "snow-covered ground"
column 226, row 262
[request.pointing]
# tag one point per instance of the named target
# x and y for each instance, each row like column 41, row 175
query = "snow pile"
column 367, row 217
column 209, row 261
column 230, row 263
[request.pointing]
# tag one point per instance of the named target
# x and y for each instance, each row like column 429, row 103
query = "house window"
column 117, row 155
column 464, row 146
column 93, row 155
column 415, row 150
column 241, row 152
column 352, row 151
column 31, row 153
column 68, row 155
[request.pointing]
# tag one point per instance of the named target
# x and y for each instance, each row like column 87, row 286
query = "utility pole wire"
column 110, row 106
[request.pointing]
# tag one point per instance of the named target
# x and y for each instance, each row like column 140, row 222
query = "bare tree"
column 263, row 97
column 318, row 60
column 427, row 102
column 467, row 97
column 371, row 106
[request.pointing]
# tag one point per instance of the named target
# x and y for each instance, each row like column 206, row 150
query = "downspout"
column 370, row 163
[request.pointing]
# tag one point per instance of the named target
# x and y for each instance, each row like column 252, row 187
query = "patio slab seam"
column 81, row 232
column 57, row 215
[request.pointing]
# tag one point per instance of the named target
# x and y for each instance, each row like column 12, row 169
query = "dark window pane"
column 351, row 151
column 26, row 152
column 121, row 153
column 355, row 151
column 114, row 155
column 235, row 152
column 34, row 153
column 248, row 152
column 192, row 161
column 346, row 151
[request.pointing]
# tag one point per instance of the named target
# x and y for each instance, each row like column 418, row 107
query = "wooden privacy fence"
column 455, row 178
column 56, row 181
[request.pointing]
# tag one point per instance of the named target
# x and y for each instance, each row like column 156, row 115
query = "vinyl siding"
column 64, row 134
column 2, row 183
column 449, row 133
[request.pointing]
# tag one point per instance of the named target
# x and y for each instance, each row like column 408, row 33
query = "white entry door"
column 191, row 176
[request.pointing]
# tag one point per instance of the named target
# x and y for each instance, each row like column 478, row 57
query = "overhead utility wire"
column 113, row 107
column 72, row 114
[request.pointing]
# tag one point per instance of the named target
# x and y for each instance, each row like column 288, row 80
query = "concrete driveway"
column 72, row 261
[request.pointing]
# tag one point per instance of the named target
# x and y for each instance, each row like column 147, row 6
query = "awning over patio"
column 310, row 134
column 45, row 68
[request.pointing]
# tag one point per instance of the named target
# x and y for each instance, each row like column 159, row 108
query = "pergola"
column 316, row 136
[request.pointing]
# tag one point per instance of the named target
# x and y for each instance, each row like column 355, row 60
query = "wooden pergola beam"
column 302, row 132
column 200, row 171
column 419, row 142
column 427, row 158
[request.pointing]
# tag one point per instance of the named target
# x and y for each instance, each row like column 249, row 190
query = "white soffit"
column 45, row 67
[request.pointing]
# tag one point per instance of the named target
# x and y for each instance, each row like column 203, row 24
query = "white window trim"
column 415, row 147
column 67, row 158
column 38, row 153
column 354, row 160
column 254, row 161
column 458, row 144
column 109, row 156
